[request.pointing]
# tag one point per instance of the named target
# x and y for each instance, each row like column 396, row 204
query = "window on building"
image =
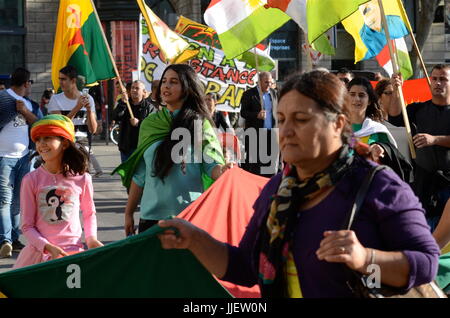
column 284, row 48
column 165, row 11
column 11, row 13
column 12, row 33
column 12, row 53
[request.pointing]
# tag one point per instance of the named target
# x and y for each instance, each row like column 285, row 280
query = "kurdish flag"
column 367, row 31
column 207, row 35
column 242, row 24
column 403, row 61
column 79, row 42
column 296, row 9
column 322, row 15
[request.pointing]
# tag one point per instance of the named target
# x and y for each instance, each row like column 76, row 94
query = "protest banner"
column 228, row 78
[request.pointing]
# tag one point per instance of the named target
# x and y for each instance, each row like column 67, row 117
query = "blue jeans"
column 12, row 170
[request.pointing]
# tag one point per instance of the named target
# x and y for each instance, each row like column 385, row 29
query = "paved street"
column 110, row 200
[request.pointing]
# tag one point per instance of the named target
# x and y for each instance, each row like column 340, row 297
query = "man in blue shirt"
column 258, row 108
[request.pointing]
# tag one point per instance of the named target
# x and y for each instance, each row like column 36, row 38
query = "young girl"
column 53, row 195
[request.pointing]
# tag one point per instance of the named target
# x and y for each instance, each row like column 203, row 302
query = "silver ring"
column 342, row 249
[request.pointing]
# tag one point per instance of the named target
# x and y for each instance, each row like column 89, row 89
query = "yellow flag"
column 174, row 48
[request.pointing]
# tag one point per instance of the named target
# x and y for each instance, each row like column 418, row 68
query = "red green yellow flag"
column 79, row 42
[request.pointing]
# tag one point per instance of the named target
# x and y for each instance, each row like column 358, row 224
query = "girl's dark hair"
column 75, row 160
column 373, row 110
column 193, row 108
column 327, row 91
column 47, row 93
column 381, row 86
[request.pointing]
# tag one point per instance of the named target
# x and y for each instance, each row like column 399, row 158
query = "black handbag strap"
column 361, row 195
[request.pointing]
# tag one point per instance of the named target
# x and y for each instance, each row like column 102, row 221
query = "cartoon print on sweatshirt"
column 55, row 204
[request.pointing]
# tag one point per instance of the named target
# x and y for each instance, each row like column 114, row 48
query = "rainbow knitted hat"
column 53, row 125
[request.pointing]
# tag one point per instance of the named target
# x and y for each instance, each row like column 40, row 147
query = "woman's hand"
column 129, row 225
column 376, row 152
column 397, row 80
column 343, row 247
column 55, row 251
column 186, row 233
column 92, row 242
column 220, row 170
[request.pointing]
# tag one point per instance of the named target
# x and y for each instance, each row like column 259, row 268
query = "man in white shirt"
column 78, row 107
column 71, row 103
column 14, row 158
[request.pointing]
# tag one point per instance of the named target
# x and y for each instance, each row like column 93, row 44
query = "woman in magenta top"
column 294, row 245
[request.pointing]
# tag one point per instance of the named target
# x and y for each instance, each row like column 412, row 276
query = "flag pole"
column 413, row 38
column 308, row 52
column 261, row 100
column 396, row 70
column 122, row 88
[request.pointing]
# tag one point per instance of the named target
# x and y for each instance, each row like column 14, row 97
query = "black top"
column 219, row 120
column 129, row 134
column 432, row 119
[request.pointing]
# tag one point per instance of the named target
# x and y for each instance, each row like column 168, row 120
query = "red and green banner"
column 79, row 42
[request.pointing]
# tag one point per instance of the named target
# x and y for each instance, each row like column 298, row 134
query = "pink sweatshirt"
column 50, row 206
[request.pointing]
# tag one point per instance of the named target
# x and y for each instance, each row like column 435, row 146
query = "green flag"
column 136, row 267
column 322, row 15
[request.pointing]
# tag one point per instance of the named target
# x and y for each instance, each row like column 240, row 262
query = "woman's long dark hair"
column 373, row 110
column 193, row 108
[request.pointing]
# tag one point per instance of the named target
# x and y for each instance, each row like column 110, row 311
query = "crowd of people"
column 323, row 132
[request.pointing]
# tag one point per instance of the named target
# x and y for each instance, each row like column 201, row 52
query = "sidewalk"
column 110, row 200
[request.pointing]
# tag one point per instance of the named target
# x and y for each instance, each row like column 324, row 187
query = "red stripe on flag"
column 261, row 46
column 384, row 57
column 213, row 3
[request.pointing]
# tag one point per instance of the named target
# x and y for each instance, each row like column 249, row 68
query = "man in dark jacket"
column 129, row 127
column 259, row 109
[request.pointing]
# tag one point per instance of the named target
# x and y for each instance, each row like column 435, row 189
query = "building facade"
column 27, row 29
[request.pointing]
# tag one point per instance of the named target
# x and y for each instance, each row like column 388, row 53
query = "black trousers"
column 264, row 140
column 146, row 224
